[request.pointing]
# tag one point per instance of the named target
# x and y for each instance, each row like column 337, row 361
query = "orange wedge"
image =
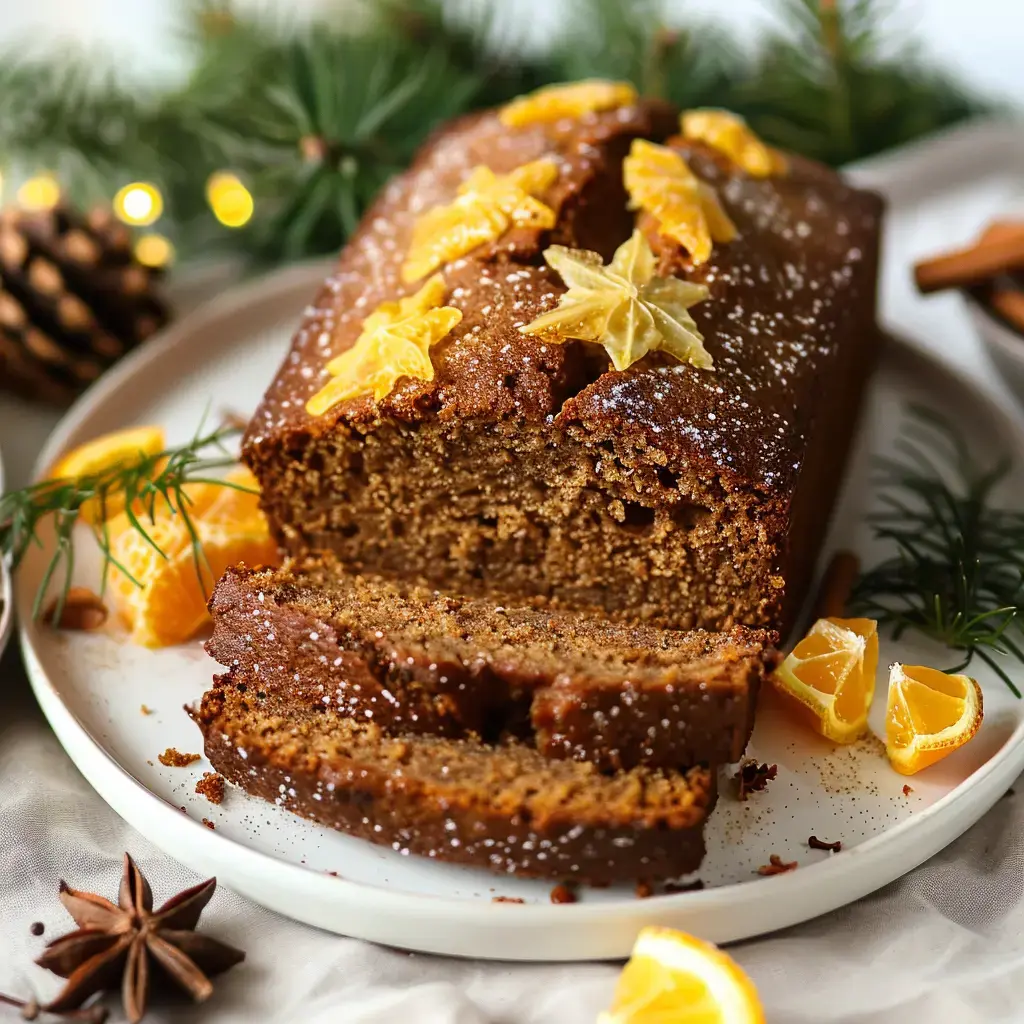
column 122, row 447
column 929, row 714
column 673, row 978
column 829, row 678
column 162, row 594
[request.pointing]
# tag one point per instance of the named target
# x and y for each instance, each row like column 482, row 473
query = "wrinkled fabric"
column 944, row 944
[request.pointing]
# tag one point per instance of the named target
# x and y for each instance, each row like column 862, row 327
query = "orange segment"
column 828, row 679
column 170, row 604
column 122, row 447
column 673, row 978
column 929, row 714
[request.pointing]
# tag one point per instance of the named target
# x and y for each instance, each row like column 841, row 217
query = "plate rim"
column 136, row 803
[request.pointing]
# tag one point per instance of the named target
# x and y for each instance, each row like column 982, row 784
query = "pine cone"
column 73, row 300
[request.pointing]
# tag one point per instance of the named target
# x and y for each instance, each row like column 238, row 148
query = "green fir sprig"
column 957, row 574
column 146, row 487
column 315, row 118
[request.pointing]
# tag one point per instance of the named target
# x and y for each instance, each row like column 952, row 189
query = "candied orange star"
column 571, row 99
column 730, row 134
column 395, row 342
column 623, row 306
column 487, row 205
column 659, row 182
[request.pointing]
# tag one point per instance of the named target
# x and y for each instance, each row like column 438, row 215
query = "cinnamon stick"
column 1009, row 304
column 1002, row 252
column 836, row 585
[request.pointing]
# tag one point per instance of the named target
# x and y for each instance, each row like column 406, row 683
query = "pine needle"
column 957, row 571
column 152, row 484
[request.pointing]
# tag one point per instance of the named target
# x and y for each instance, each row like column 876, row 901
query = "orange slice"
column 829, row 678
column 122, row 447
column 673, row 978
column 162, row 595
column 929, row 714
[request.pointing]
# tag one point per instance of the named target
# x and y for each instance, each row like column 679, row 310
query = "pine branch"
column 144, row 488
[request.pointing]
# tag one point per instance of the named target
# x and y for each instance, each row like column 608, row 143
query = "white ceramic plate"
column 92, row 689
column 6, row 595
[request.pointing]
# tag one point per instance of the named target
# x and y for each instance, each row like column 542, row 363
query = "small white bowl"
column 1005, row 345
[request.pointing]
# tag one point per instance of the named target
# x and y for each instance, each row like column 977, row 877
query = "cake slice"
column 417, row 661
column 503, row 807
column 526, row 467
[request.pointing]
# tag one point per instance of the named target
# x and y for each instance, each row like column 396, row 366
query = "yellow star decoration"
column 486, row 206
column 572, row 99
column 623, row 306
column 687, row 209
column 395, row 342
column 728, row 133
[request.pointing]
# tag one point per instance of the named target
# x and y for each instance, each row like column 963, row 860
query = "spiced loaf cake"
column 505, row 807
column 521, row 465
column 417, row 661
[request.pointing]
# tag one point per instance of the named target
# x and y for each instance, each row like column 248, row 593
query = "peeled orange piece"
column 122, row 447
column 673, row 978
column 162, row 594
column 829, row 678
column 929, row 714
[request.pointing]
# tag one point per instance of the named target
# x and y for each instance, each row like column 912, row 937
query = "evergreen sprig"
column 145, row 488
column 317, row 117
column 957, row 574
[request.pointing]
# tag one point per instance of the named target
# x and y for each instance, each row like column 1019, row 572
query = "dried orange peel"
column 929, row 714
column 729, row 134
column 161, row 594
column 119, row 448
column 571, row 99
column 828, row 680
column 673, row 977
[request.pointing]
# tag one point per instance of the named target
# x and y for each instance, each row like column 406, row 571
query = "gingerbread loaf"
column 528, row 469
column 416, row 661
column 505, row 807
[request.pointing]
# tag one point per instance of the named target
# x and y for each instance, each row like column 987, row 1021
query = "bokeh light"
column 230, row 201
column 39, row 193
column 153, row 250
column 139, row 204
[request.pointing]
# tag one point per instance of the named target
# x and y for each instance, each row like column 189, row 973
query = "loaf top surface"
column 796, row 283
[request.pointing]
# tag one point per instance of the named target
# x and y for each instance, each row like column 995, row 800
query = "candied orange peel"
column 623, row 306
column 730, row 134
column 569, row 99
column 395, row 342
column 486, row 206
column 687, row 209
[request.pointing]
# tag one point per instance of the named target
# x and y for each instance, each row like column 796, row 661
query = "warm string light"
column 230, row 201
column 139, row 204
column 153, row 250
column 39, row 193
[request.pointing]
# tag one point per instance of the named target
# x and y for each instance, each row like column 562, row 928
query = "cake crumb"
column 907, row 790
column 83, row 609
column 211, row 785
column 506, row 899
column 644, row 889
column 145, row 710
column 562, row 894
column 822, row 844
column 753, row 777
column 37, row 928
column 176, row 759
column 209, row 824
column 777, row 866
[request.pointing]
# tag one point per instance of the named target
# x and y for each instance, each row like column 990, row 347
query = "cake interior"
column 522, row 511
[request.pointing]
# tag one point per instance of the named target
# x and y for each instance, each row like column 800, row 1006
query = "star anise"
column 121, row 940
